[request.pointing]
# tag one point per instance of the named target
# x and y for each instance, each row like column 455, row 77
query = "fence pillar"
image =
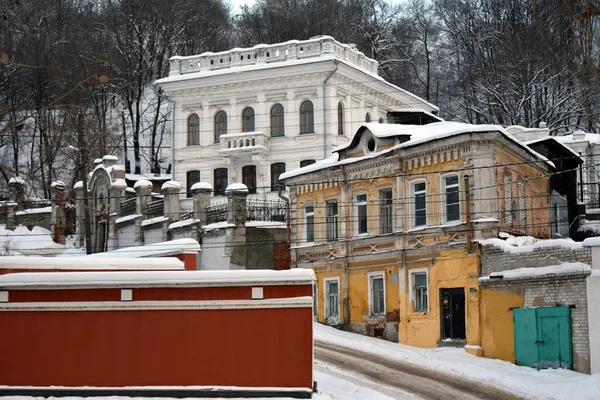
column 236, row 203
column 201, row 192
column 79, row 214
column 16, row 197
column 170, row 190
column 235, row 238
column 58, row 219
column 143, row 190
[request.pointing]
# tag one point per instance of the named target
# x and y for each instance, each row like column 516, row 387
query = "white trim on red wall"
column 294, row 302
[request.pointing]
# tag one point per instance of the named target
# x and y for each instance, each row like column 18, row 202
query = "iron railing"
column 186, row 215
column 155, row 208
column 263, row 210
column 128, row 206
column 216, row 213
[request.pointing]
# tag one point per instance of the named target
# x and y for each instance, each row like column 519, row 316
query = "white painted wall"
column 126, row 236
column 211, row 256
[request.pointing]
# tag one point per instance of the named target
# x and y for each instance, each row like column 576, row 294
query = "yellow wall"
column 359, row 290
column 433, row 185
column 450, row 269
column 321, row 276
column 497, row 326
column 537, row 191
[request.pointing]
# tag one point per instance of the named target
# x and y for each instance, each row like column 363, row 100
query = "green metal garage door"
column 543, row 337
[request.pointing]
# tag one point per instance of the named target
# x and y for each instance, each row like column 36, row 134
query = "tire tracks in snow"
column 394, row 374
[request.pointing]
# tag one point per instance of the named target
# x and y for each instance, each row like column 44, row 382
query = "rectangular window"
column 249, row 177
column 377, row 294
column 309, row 215
column 192, row 177
column 385, row 211
column 332, row 220
column 508, row 200
column 419, row 203
column 220, row 181
column 361, row 214
column 332, row 298
column 276, row 170
column 451, row 198
column 420, row 293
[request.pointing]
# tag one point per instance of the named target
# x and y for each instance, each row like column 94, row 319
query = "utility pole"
column 83, row 173
column 127, row 170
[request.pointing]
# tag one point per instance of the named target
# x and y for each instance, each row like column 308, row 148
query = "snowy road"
column 392, row 379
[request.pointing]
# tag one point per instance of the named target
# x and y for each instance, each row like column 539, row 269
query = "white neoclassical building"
column 248, row 115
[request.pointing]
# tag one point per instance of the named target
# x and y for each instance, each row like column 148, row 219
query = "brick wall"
column 566, row 290
column 495, row 259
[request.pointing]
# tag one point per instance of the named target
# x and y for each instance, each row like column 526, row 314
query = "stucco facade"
column 248, row 112
column 390, row 223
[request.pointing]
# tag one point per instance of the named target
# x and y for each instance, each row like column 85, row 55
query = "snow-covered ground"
column 337, row 384
column 527, row 382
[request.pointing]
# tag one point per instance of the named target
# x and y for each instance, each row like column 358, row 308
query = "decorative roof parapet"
column 265, row 54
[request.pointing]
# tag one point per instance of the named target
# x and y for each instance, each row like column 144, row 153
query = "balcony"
column 243, row 144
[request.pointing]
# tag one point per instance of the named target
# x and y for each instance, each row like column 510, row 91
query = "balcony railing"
column 247, row 142
column 266, row 54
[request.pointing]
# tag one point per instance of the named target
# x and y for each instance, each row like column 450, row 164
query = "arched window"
column 220, row 125
column 340, row 119
column 277, row 121
column 276, row 170
column 307, row 117
column 220, row 181
column 368, row 118
column 249, row 177
column 381, row 120
column 248, row 120
column 305, row 163
column 191, row 178
column 193, row 130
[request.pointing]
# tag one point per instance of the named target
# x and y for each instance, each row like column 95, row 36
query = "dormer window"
column 370, row 145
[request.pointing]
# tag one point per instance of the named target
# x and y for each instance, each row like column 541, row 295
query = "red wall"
column 249, row 347
column 255, row 346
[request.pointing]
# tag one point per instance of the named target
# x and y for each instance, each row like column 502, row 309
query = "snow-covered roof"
column 123, row 262
column 553, row 138
column 162, row 249
column 279, row 55
column 527, row 244
column 419, row 134
column 296, row 276
column 539, row 272
column 578, row 137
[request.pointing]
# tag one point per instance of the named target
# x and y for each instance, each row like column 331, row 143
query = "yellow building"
column 387, row 224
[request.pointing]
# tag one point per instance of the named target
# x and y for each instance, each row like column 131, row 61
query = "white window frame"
column 332, row 220
column 371, row 276
column 413, row 202
column 444, row 211
column 316, row 300
column 391, row 210
column 358, row 204
column 331, row 318
column 411, row 287
column 306, row 215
